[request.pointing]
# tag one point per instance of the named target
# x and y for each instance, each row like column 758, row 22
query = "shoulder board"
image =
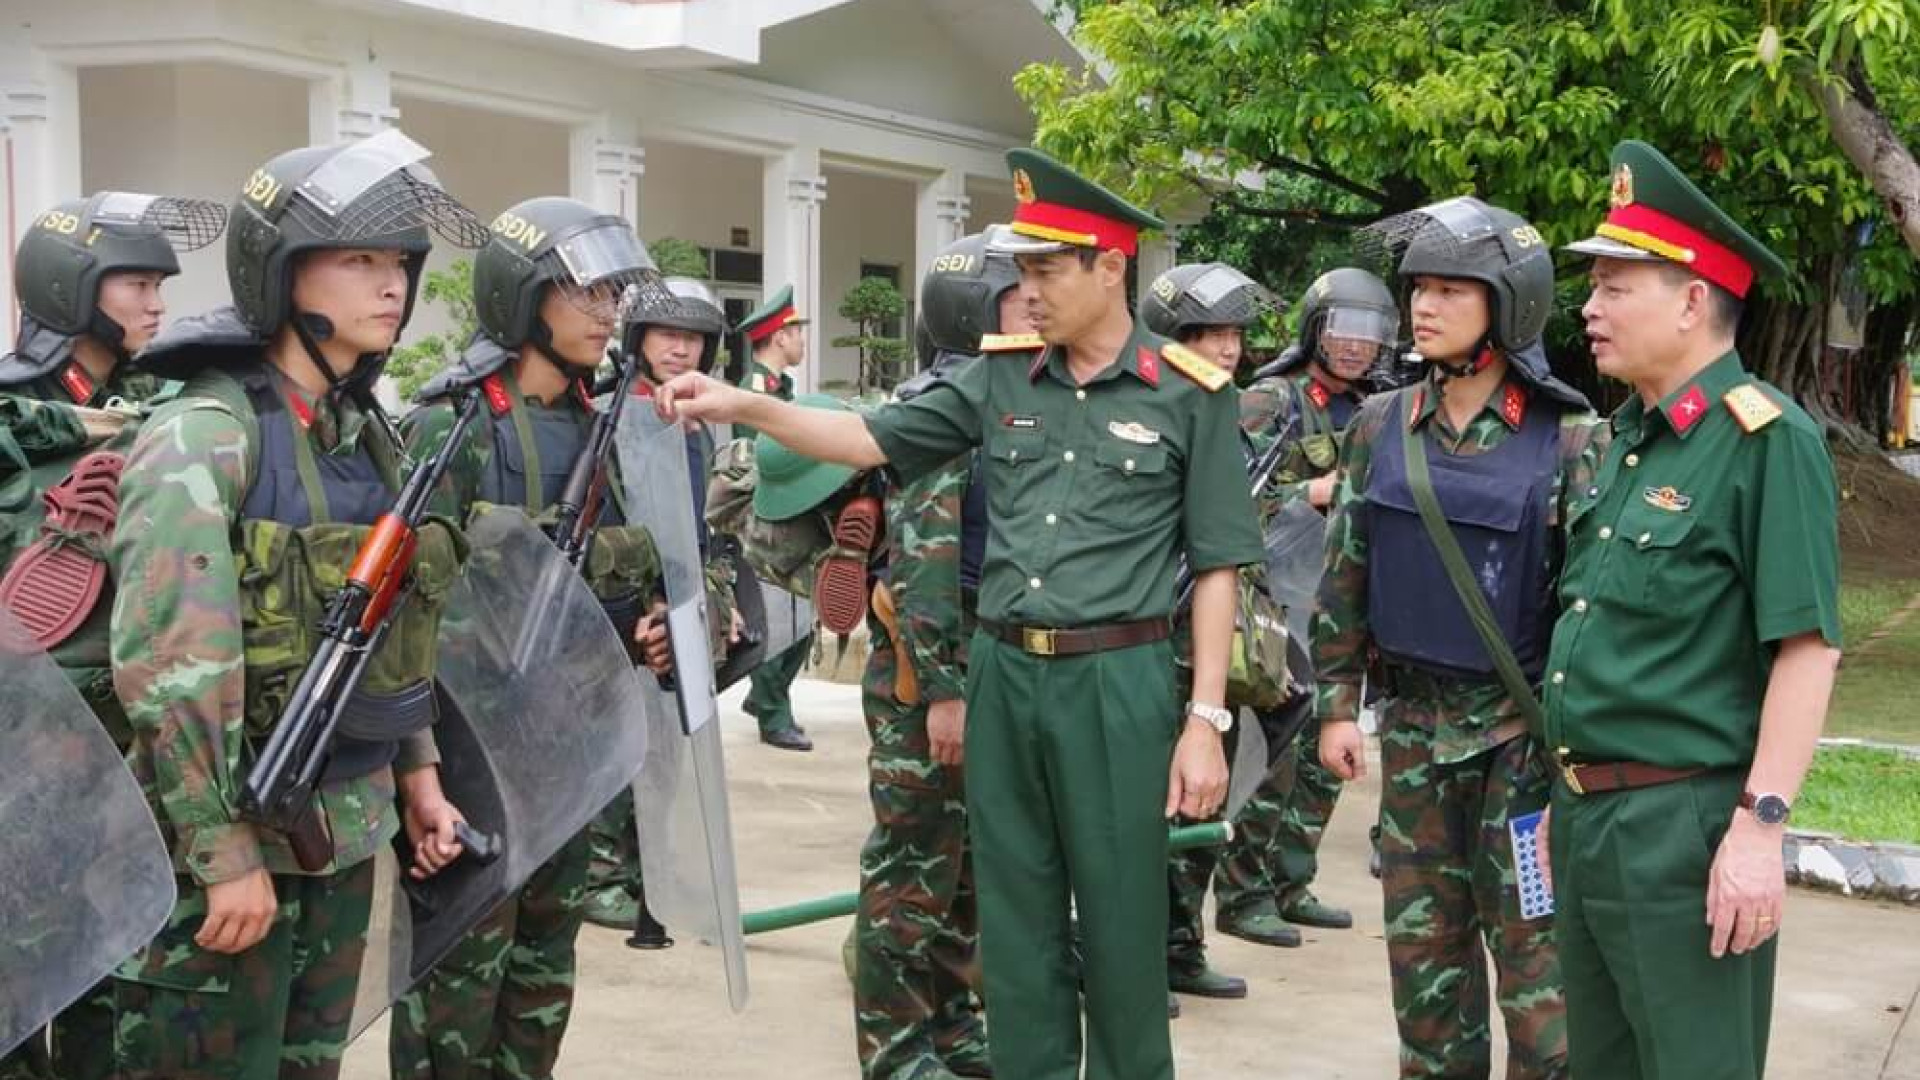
column 1751, row 407
column 1208, row 374
column 999, row 343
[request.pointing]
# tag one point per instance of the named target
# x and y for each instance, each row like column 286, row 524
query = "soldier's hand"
column 1343, row 749
column 650, row 633
column 1320, row 490
column 694, row 396
column 1747, row 887
column 1197, row 783
column 239, row 913
column 947, row 731
column 735, row 627
column 429, row 820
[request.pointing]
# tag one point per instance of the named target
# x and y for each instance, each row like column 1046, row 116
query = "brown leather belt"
column 1079, row 640
column 1600, row 777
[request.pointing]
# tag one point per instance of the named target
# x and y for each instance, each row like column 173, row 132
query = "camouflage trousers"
column 917, row 928
column 498, row 1004
column 1447, row 875
column 78, row 1045
column 280, row 1009
column 613, row 848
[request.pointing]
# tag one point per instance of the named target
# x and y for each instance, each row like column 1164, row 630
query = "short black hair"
column 1726, row 307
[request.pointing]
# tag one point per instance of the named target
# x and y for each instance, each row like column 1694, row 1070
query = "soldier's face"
column 1635, row 317
column 132, row 299
column 792, row 342
column 1224, row 345
column 361, row 291
column 671, row 351
column 1348, row 358
column 1015, row 317
column 1067, row 297
column 580, row 328
column 1450, row 316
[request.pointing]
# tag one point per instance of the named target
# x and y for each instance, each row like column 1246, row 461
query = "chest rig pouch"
column 303, row 519
column 1497, row 505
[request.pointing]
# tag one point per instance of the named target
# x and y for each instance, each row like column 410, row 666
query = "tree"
column 871, row 305
column 679, row 258
column 1306, row 119
column 412, row 365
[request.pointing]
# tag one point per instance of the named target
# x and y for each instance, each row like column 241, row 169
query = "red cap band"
column 1052, row 221
column 773, row 324
column 1641, row 226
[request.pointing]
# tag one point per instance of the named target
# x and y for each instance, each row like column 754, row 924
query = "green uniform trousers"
column 770, row 686
column 78, row 1045
column 614, row 848
column 1645, row 1001
column 280, row 1009
column 498, row 1004
column 1446, row 863
column 1067, row 761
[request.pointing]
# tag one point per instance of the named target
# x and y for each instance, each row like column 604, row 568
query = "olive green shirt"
column 1697, row 549
column 762, row 379
column 1093, row 491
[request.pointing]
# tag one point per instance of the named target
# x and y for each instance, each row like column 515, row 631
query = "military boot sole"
column 840, row 585
column 1319, row 917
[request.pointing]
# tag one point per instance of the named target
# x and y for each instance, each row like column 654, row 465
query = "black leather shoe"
column 787, row 738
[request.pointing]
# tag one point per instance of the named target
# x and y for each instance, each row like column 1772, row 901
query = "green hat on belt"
column 1058, row 208
column 1657, row 213
column 790, row 483
column 773, row 315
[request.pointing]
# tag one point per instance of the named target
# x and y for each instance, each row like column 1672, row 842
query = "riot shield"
column 1249, row 761
column 772, row 619
column 539, row 727
column 1296, row 542
column 680, row 796
column 87, row 878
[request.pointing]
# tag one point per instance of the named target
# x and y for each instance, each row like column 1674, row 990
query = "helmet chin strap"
column 107, row 331
column 1483, row 355
column 542, row 341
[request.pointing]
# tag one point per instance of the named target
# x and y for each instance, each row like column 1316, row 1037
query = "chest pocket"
column 1126, row 480
column 1013, row 455
column 1651, row 546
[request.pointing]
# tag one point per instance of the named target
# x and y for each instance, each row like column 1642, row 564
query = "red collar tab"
column 1687, row 410
column 1067, row 225
column 1416, row 406
column 1147, row 362
column 497, row 398
column 302, row 411
column 1318, row 394
column 642, row 388
column 1513, row 406
column 582, row 395
column 767, row 327
column 76, row 384
column 1641, row 226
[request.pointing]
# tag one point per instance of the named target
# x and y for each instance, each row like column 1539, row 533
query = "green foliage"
column 679, row 258
column 870, row 305
column 411, row 366
column 1302, row 120
column 1862, row 794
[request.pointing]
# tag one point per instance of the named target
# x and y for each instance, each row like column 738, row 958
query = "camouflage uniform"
column 181, row 665
column 770, row 696
column 1457, row 763
column 1273, row 858
column 916, row 931
column 498, row 1004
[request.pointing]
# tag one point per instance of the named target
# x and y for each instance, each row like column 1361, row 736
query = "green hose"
column 820, row 909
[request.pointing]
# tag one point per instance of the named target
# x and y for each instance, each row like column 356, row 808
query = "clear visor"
column 1466, row 218
column 349, row 174
column 1221, row 282
column 187, row 224
column 1358, row 324
column 685, row 288
column 602, row 253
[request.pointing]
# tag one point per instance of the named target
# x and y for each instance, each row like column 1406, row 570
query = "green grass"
column 1878, row 686
column 1861, row 794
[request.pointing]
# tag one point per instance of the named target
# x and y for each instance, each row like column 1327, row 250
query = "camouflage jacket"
column 177, row 648
column 923, row 559
column 1472, row 717
column 1291, row 404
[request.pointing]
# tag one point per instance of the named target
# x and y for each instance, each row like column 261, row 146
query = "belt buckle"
column 1570, row 773
column 1037, row 640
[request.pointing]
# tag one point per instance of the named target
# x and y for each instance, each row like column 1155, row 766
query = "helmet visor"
column 353, row 171
column 600, row 262
column 377, row 190
column 1221, row 282
column 1370, row 325
column 187, row 224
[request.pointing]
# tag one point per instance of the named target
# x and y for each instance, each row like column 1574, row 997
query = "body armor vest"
column 973, row 527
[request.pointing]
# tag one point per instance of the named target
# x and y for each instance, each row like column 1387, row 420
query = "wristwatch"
column 1766, row 807
column 1221, row 718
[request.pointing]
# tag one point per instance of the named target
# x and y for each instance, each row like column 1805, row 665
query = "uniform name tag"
column 1020, row 423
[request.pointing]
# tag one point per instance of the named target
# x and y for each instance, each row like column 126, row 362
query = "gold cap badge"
column 1623, row 185
column 1022, row 186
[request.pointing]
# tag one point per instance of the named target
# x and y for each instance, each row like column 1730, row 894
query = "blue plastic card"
column 1536, row 896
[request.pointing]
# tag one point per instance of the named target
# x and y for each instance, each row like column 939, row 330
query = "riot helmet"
column 1472, row 240
column 682, row 303
column 554, row 241
column 1194, row 296
column 960, row 296
column 1349, row 305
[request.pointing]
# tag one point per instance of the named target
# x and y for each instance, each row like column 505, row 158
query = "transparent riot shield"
column 86, row 879
column 680, row 796
column 772, row 619
column 540, row 726
column 1249, row 764
column 1296, row 540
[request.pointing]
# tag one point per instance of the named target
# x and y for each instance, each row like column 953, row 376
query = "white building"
column 800, row 141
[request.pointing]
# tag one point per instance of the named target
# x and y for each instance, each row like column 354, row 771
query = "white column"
column 354, row 103
column 940, row 218
column 40, row 143
column 791, row 193
column 605, row 170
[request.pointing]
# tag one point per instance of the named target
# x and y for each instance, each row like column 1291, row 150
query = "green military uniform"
column 770, row 687
column 1093, row 490
column 1708, row 538
column 497, row 1005
column 1456, row 764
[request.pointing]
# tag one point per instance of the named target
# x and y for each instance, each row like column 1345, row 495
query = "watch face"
column 1770, row 809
